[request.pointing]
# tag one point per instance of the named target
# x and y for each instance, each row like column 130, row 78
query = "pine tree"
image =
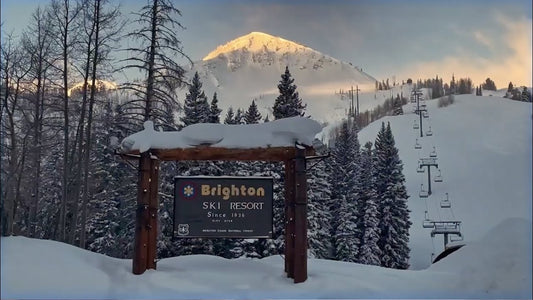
column 392, row 198
column 489, row 85
column 252, row 115
column 230, row 116
column 346, row 243
column 111, row 222
column 345, row 190
column 369, row 252
column 398, row 109
column 196, row 108
column 453, row 86
column 288, row 103
column 239, row 116
column 318, row 216
column 526, row 95
column 214, row 111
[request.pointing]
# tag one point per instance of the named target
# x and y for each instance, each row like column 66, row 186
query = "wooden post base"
column 145, row 244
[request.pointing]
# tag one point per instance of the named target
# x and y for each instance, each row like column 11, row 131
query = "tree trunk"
column 88, row 143
column 151, row 63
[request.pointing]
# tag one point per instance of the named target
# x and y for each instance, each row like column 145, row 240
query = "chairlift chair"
column 415, row 125
column 417, row 145
column 456, row 237
column 427, row 223
column 423, row 193
column 438, row 178
column 445, row 203
column 429, row 132
column 420, row 169
column 433, row 153
column 425, row 114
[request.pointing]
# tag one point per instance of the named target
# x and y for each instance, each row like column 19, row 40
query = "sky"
column 388, row 39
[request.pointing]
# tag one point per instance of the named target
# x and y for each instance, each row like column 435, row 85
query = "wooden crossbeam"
column 217, row 153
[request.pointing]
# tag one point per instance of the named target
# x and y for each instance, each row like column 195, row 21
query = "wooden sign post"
column 145, row 245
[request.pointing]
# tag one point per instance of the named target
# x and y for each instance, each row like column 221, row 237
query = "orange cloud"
column 515, row 67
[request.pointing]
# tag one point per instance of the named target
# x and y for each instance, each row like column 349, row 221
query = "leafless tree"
column 38, row 46
column 64, row 14
column 15, row 67
column 155, row 57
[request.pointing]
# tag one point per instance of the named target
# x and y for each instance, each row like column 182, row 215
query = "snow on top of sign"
column 278, row 133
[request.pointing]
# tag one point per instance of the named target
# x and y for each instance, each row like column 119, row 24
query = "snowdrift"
column 497, row 266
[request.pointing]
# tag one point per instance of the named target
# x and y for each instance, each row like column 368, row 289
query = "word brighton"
column 232, row 191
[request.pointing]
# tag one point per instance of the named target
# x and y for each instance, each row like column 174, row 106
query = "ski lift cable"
column 451, row 211
column 440, row 217
column 433, row 247
column 427, row 207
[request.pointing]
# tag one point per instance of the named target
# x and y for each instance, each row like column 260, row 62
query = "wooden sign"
column 207, row 206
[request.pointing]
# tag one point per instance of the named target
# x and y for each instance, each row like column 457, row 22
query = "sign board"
column 223, row 207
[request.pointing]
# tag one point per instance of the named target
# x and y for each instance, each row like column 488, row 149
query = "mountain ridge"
column 249, row 67
column 257, row 41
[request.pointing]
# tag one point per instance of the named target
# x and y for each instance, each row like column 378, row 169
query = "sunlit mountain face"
column 250, row 67
column 100, row 85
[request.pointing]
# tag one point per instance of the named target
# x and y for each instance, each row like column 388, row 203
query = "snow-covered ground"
column 484, row 152
column 497, row 266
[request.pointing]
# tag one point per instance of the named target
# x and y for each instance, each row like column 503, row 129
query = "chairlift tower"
column 420, row 111
column 446, row 228
column 451, row 230
column 428, row 162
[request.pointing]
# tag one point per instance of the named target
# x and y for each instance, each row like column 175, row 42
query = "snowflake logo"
column 188, row 191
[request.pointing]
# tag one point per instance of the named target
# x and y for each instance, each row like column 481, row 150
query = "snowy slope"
column 484, row 153
column 497, row 266
column 250, row 67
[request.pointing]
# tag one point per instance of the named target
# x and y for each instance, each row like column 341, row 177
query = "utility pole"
column 354, row 111
column 357, row 93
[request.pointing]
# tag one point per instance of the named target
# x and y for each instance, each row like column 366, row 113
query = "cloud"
column 514, row 64
column 482, row 38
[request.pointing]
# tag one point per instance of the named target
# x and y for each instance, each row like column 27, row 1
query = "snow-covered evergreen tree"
column 318, row 215
column 196, row 108
column 392, row 202
column 230, row 116
column 288, row 103
column 346, row 243
column 214, row 111
column 526, row 95
column 252, row 115
column 239, row 116
column 345, row 191
column 111, row 219
column 369, row 252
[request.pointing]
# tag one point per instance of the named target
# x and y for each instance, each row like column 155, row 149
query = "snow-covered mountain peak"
column 258, row 42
